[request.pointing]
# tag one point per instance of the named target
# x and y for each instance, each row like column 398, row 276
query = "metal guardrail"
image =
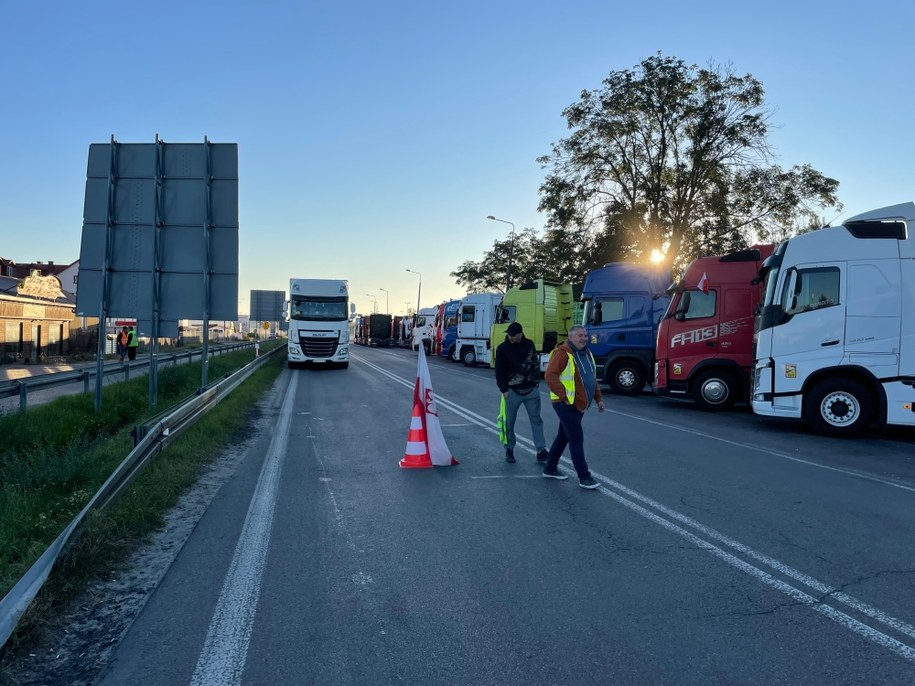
column 156, row 438
column 22, row 387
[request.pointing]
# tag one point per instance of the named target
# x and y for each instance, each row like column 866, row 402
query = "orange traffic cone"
column 417, row 453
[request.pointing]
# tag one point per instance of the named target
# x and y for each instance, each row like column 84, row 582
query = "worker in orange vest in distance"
column 122, row 343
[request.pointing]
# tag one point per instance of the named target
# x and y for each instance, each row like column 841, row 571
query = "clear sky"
column 375, row 137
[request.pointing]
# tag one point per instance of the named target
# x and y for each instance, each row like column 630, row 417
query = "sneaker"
column 509, row 455
column 554, row 474
column 543, row 456
column 588, row 483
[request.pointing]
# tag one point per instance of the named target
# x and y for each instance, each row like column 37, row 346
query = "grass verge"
column 56, row 456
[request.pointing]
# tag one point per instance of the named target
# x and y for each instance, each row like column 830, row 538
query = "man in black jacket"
column 518, row 379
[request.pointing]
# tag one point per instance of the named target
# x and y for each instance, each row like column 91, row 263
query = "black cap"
column 513, row 329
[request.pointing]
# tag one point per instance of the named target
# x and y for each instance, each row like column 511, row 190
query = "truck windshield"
column 318, row 309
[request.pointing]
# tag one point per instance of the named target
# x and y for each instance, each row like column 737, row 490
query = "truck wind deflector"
column 877, row 229
column 749, row 255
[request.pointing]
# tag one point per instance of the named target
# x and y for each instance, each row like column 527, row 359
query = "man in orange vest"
column 122, row 343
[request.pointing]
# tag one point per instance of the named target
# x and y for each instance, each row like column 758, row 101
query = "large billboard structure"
column 268, row 306
column 160, row 238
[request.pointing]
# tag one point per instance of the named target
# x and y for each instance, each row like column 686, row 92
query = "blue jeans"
column 570, row 434
column 531, row 403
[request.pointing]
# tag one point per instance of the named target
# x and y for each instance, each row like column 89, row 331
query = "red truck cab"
column 705, row 340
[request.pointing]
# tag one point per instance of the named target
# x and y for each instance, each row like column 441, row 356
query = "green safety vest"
column 132, row 340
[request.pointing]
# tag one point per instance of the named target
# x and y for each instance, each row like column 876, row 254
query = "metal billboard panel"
column 167, row 328
column 267, row 306
column 170, row 177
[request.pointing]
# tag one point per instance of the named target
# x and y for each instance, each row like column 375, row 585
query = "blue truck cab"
column 450, row 330
column 623, row 304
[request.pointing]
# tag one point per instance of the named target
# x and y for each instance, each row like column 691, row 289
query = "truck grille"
column 318, row 347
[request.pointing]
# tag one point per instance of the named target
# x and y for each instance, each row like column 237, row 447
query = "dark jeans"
column 131, row 352
column 570, row 434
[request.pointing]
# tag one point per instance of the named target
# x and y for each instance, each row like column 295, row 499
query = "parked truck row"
column 818, row 328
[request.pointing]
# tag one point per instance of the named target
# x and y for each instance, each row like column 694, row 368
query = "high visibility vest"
column 567, row 378
column 132, row 341
column 122, row 339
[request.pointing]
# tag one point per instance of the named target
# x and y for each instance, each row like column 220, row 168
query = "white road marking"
column 225, row 651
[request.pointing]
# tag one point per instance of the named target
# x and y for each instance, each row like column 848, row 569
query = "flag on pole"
column 422, row 394
column 501, row 421
column 703, row 283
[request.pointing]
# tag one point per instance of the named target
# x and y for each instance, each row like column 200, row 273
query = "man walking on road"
column 518, row 379
column 122, row 344
column 572, row 379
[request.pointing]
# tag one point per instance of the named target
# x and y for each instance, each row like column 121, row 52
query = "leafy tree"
column 673, row 158
column 490, row 274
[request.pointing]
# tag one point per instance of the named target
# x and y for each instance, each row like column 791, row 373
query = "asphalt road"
column 720, row 549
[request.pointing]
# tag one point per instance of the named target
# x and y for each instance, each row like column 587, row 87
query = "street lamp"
column 419, row 290
column 374, row 301
column 511, row 249
column 387, row 300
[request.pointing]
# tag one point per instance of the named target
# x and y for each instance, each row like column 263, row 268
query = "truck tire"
column 469, row 356
column 839, row 407
column 453, row 353
column 715, row 389
column 344, row 365
column 626, row 377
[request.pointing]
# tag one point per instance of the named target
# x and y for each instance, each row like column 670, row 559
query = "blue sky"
column 376, row 137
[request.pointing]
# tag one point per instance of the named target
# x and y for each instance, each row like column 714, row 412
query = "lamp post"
column 387, row 300
column 374, row 302
column 511, row 249
column 418, row 290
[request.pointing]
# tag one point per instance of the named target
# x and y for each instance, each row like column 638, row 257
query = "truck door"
column 693, row 335
column 811, row 334
column 605, row 320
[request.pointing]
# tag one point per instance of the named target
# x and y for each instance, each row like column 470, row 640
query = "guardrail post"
column 23, row 393
column 86, row 376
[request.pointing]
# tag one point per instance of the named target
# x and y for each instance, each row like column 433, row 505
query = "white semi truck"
column 318, row 312
column 835, row 340
column 477, row 314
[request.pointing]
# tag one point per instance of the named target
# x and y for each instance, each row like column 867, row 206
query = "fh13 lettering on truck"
column 835, row 341
column 318, row 313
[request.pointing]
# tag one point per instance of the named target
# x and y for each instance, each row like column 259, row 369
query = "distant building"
column 37, row 310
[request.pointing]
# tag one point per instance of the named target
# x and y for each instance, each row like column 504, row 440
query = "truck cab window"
column 814, row 289
column 694, row 304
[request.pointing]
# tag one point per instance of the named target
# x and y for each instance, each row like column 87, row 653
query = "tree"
column 675, row 158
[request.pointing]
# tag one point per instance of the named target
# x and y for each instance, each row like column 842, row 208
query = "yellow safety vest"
column 567, row 378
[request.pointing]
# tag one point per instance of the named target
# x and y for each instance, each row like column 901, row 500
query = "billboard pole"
column 207, row 221
column 106, row 278
column 157, row 277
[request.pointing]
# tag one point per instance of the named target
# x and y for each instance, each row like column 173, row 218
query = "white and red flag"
column 703, row 283
column 422, row 394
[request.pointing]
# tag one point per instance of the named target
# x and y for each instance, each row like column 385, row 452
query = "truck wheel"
column 344, row 365
column 715, row 390
column 839, row 407
column 453, row 354
column 626, row 377
column 469, row 357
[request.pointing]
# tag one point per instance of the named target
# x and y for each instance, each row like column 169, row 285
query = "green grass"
column 56, row 456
